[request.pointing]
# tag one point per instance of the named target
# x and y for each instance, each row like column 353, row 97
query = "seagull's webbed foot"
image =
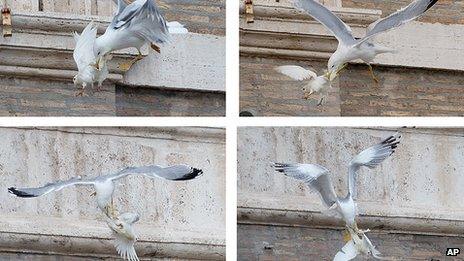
column 125, row 66
column 371, row 70
column 80, row 93
column 307, row 95
column 321, row 101
column 346, row 236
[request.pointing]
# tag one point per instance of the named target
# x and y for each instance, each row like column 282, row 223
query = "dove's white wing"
column 295, row 72
column 83, row 52
column 315, row 176
column 400, row 17
column 348, row 252
column 370, row 158
column 326, row 17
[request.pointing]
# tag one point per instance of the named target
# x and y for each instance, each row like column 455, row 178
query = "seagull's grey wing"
column 324, row 16
column 371, row 157
column 175, row 173
column 128, row 13
column 150, row 24
column 400, row 17
column 315, row 176
column 50, row 187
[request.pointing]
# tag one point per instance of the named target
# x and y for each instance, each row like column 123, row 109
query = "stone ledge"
column 316, row 219
column 65, row 236
column 188, row 134
column 52, row 39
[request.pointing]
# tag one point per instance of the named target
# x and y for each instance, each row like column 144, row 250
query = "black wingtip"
column 279, row 167
column 431, row 3
column 19, row 193
column 193, row 174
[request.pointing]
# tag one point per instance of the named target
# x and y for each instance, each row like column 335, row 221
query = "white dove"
column 124, row 234
column 89, row 72
column 317, row 84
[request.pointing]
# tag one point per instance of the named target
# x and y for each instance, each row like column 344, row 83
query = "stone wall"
column 56, row 97
column 184, row 220
column 204, row 17
column 409, row 201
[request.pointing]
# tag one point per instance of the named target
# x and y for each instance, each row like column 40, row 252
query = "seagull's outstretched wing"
column 400, row 17
column 83, row 52
column 324, row 16
column 348, row 252
column 315, row 176
column 50, row 187
column 370, row 158
column 175, row 173
column 296, row 72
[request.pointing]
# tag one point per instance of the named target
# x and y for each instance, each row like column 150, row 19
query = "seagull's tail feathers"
column 175, row 27
column 382, row 49
column 332, row 211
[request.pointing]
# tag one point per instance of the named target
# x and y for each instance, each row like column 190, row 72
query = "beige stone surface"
column 178, row 219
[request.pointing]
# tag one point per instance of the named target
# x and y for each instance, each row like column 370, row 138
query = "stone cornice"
column 74, row 237
column 186, row 134
column 264, row 211
column 316, row 219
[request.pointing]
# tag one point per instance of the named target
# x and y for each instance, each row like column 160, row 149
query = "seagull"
column 135, row 25
column 317, row 84
column 349, row 48
column 88, row 71
column 104, row 185
column 317, row 178
column 124, row 234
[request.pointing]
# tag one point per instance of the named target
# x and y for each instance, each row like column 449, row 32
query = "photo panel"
column 335, row 193
column 112, row 193
column 351, row 58
column 112, row 58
